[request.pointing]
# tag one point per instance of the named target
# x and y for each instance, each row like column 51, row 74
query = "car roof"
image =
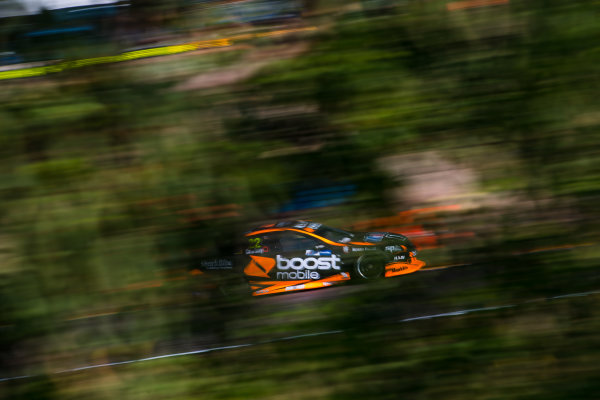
column 308, row 226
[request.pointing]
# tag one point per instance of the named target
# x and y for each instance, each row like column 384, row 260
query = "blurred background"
column 139, row 136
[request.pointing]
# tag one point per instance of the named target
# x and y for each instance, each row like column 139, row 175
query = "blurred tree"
column 106, row 175
column 11, row 8
column 156, row 14
column 11, row 15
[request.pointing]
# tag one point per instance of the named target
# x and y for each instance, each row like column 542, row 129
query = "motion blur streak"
column 138, row 54
column 307, row 335
column 133, row 161
column 186, row 353
column 461, row 5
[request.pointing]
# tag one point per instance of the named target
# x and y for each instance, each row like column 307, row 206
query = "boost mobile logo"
column 310, row 263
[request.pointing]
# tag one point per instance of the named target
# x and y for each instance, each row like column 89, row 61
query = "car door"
column 302, row 257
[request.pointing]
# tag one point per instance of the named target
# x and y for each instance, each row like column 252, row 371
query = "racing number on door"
column 254, row 243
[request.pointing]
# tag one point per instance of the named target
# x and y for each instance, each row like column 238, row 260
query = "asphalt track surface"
column 301, row 297
column 418, row 311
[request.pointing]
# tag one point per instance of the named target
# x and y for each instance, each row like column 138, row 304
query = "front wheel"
column 369, row 267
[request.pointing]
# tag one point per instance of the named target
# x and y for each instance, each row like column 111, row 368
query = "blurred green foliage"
column 115, row 178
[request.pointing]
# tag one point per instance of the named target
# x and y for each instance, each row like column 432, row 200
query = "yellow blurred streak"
column 137, row 54
column 23, row 73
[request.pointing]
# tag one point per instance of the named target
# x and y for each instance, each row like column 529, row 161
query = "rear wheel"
column 369, row 267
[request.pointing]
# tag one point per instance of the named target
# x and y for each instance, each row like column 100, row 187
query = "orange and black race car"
column 299, row 255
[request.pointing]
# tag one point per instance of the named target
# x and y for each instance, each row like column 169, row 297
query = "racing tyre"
column 369, row 267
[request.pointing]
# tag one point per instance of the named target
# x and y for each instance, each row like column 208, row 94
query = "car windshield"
column 336, row 235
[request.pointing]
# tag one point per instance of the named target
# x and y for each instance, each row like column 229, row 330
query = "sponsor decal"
column 364, row 248
column 311, row 263
column 400, row 258
column 318, row 252
column 394, row 249
column 295, row 287
column 305, row 268
column 262, row 250
column 314, row 225
column 374, row 237
column 259, row 266
column 216, row 263
column 345, row 249
column 296, row 275
column 300, row 225
column 398, row 268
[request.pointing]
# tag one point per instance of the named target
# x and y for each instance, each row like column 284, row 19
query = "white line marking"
column 14, row 378
column 186, row 353
column 454, row 313
column 238, row 346
column 582, row 294
column 304, row 335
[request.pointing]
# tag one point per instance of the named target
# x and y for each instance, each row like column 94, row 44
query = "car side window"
column 296, row 242
column 266, row 243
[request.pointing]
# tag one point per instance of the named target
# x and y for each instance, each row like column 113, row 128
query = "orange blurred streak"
column 461, row 5
column 403, row 217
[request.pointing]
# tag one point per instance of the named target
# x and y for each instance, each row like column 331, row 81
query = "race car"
column 300, row 255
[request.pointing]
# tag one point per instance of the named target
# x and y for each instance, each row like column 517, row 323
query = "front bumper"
column 403, row 268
